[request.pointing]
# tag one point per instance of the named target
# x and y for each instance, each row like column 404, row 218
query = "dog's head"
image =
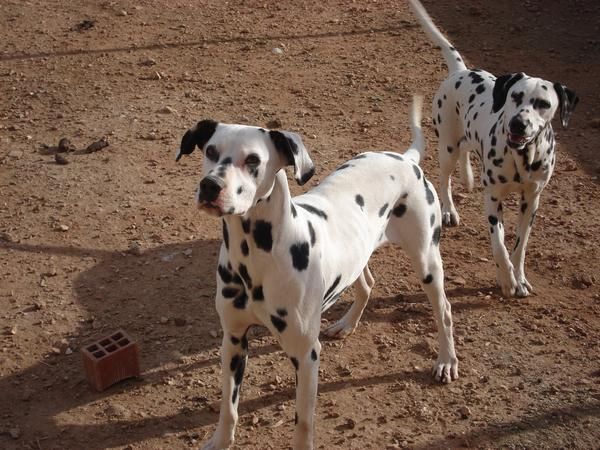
column 529, row 104
column 241, row 162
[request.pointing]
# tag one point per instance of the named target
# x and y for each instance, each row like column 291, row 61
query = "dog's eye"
column 212, row 153
column 252, row 160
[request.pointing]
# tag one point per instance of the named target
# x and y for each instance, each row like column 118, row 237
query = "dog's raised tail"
column 416, row 151
column 451, row 55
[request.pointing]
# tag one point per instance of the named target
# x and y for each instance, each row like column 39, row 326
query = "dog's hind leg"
column 418, row 232
column 348, row 323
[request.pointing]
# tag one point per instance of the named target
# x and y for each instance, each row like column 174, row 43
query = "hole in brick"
column 111, row 348
column 117, row 336
column 99, row 354
column 92, row 348
column 105, row 342
column 124, row 342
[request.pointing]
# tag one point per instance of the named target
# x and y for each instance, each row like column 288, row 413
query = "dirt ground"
column 112, row 239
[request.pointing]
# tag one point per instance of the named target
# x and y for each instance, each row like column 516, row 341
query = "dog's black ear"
column 292, row 149
column 196, row 136
column 501, row 88
column 567, row 101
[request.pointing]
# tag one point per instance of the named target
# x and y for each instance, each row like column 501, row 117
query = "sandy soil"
column 112, row 239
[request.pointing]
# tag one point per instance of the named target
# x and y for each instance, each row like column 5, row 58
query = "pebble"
column 277, row 51
column 60, row 159
column 62, row 227
column 465, row 412
column 15, row 432
column 164, row 320
column 167, row 110
column 135, row 248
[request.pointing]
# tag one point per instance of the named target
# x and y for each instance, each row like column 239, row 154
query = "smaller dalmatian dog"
column 507, row 122
column 284, row 260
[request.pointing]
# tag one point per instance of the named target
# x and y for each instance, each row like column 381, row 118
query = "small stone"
column 64, row 145
column 68, row 351
column 122, row 13
column 164, row 320
column 167, row 110
column 62, row 227
column 15, row 432
column 147, row 62
column 188, row 252
column 135, row 248
column 465, row 412
column 277, row 51
column 213, row 333
column 254, row 419
column 60, row 160
column 274, row 123
column 180, row 321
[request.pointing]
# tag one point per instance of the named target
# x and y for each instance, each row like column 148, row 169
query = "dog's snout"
column 210, row 188
column 517, row 126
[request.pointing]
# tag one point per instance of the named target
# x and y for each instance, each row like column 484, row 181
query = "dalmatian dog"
column 507, row 122
column 284, row 260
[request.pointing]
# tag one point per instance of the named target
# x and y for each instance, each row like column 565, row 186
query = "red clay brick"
column 111, row 359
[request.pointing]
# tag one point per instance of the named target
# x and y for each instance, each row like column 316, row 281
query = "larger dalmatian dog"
column 507, row 122
column 284, row 260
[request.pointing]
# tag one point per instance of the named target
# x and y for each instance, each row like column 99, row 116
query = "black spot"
column 235, row 362
column 493, row 129
column 225, row 274
column 230, row 292
column 344, row 166
column 295, row 362
column 517, row 177
column 493, row 141
column 313, row 236
column 518, row 98
column 313, row 355
column 471, row 98
column 428, row 279
column 295, row 418
column 313, row 210
column 225, row 235
column 240, row 301
column 432, row 220
column 428, row 192
column 262, row 235
column 498, row 162
column 307, row 176
column 439, row 119
column 493, row 220
column 244, row 248
column 282, row 312
column 475, row 77
column 382, row 210
column 449, row 149
column 502, row 178
column 360, row 201
column 257, row 294
column 332, row 287
column 437, row 232
column 457, row 85
column 246, row 225
column 278, row 323
column 480, row 89
column 475, row 115
column 394, row 155
column 234, row 340
column 439, row 102
column 300, row 254
column 536, row 165
column 243, row 270
column 399, row 210
column 293, row 208
column 491, row 153
column 523, row 207
column 234, row 395
column 417, row 171
column 240, row 190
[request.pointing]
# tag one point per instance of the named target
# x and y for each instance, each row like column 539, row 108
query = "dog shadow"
column 164, row 298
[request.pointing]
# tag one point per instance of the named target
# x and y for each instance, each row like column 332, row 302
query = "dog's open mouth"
column 516, row 140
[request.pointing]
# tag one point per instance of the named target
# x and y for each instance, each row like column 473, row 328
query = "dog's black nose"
column 210, row 187
column 517, row 126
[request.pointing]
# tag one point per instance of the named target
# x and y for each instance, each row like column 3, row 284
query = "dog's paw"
column 450, row 218
column 445, row 370
column 507, row 282
column 523, row 288
column 216, row 443
column 340, row 329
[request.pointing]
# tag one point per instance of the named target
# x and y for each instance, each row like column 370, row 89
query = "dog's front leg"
column 234, row 354
column 529, row 206
column 504, row 268
column 304, row 352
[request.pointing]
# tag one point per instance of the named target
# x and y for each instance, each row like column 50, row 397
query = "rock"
column 167, row 110
column 213, row 333
column 465, row 412
column 64, row 145
column 274, row 123
column 61, row 227
column 13, row 330
column 277, row 51
column 122, row 13
column 61, row 160
column 147, row 62
column 135, row 248
column 164, row 320
column 180, row 321
column 95, row 146
column 15, row 432
column 68, row 351
column 188, row 252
